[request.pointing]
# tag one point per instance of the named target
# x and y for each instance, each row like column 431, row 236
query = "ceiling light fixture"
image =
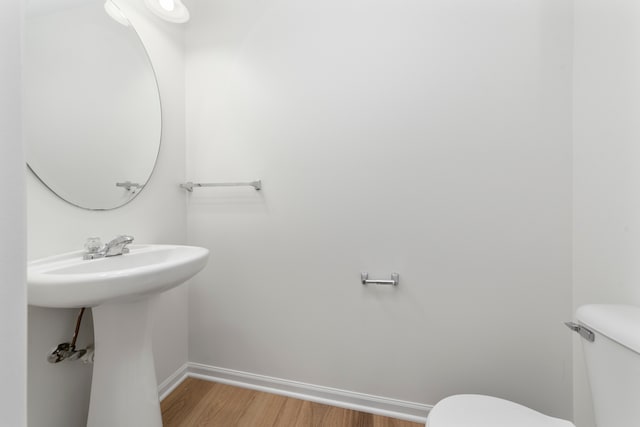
column 169, row 10
column 114, row 12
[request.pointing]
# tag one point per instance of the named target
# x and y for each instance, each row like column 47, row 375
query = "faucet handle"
column 93, row 245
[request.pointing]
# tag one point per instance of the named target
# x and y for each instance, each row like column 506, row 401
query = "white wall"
column 606, row 173
column 13, row 298
column 428, row 138
column 58, row 394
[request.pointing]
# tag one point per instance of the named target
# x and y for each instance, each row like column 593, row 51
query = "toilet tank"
column 613, row 362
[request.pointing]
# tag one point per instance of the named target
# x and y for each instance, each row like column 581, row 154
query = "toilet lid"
column 473, row 410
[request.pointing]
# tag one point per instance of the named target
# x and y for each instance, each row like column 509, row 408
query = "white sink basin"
column 124, row 390
column 69, row 281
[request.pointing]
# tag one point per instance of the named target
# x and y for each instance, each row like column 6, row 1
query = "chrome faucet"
column 117, row 246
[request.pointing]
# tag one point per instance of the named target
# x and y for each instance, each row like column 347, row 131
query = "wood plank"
column 183, row 400
column 199, row 403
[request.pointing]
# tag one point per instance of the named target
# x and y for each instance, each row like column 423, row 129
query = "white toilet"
column 611, row 342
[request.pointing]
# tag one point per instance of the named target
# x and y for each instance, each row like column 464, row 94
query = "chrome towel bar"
column 395, row 279
column 128, row 185
column 189, row 186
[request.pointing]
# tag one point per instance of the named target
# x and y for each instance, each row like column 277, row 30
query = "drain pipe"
column 67, row 351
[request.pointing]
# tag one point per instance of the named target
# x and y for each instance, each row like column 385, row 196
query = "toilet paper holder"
column 395, row 279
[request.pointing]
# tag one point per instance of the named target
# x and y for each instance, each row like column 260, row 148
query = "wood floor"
column 198, row 403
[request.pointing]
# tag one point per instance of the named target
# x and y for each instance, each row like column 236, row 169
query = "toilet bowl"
column 611, row 345
column 474, row 410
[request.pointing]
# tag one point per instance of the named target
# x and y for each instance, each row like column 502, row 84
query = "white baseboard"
column 168, row 385
column 393, row 408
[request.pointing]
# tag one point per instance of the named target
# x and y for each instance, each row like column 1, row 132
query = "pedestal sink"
column 124, row 388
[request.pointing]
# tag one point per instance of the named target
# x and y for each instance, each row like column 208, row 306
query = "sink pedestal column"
column 124, row 391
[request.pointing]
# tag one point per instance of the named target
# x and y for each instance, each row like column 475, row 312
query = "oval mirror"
column 92, row 118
